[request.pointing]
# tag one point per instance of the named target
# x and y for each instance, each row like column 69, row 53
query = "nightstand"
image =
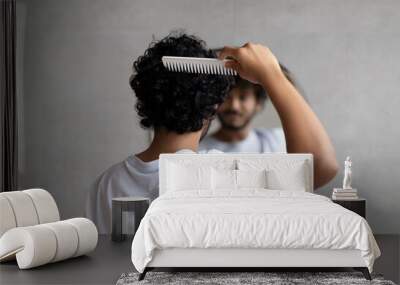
column 137, row 205
column 358, row 206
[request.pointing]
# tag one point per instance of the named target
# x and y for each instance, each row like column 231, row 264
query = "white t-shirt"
column 258, row 141
column 130, row 177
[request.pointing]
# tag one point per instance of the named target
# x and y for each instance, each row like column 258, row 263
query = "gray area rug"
column 229, row 278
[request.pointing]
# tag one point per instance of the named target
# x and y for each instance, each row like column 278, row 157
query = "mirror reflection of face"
column 238, row 109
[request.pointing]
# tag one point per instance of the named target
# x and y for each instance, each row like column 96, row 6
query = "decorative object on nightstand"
column 347, row 196
column 358, row 205
column 347, row 174
column 137, row 205
column 347, row 192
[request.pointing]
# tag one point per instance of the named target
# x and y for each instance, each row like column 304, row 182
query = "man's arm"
column 303, row 131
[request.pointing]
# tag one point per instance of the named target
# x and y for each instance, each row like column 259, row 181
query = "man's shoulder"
column 114, row 171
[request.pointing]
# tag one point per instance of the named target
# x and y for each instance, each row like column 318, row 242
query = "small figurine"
column 347, row 174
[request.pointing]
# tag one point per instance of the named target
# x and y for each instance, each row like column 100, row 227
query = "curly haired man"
column 180, row 106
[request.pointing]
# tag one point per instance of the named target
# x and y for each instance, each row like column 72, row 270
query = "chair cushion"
column 46, row 207
column 7, row 220
column 26, row 208
column 45, row 243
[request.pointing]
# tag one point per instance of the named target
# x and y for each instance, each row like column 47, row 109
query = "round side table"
column 137, row 205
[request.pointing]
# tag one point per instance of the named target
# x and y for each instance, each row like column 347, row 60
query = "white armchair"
column 31, row 230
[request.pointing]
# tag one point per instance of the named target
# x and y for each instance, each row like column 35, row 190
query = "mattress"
column 250, row 219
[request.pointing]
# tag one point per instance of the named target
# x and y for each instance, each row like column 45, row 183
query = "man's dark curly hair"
column 177, row 101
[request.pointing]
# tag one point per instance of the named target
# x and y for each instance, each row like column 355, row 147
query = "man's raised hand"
column 253, row 62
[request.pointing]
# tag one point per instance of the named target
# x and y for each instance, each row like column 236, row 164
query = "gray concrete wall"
column 78, row 110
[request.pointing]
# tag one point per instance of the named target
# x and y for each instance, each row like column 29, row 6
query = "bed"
column 247, row 211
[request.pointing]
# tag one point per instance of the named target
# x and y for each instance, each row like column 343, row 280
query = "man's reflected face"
column 238, row 109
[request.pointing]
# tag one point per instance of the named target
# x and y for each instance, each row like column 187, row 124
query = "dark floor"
column 110, row 260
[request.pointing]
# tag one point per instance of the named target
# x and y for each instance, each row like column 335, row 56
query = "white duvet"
column 252, row 218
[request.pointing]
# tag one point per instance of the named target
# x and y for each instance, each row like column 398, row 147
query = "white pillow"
column 181, row 177
column 228, row 179
column 288, row 177
column 251, row 178
column 224, row 179
column 281, row 174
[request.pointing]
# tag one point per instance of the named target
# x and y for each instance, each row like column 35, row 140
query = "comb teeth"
column 197, row 65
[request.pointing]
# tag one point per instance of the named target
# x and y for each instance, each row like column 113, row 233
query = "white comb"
column 197, row 65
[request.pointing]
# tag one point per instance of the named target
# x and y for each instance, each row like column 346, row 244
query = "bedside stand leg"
column 116, row 231
column 140, row 210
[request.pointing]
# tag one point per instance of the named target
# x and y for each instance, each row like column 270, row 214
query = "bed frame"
column 236, row 259
column 248, row 259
